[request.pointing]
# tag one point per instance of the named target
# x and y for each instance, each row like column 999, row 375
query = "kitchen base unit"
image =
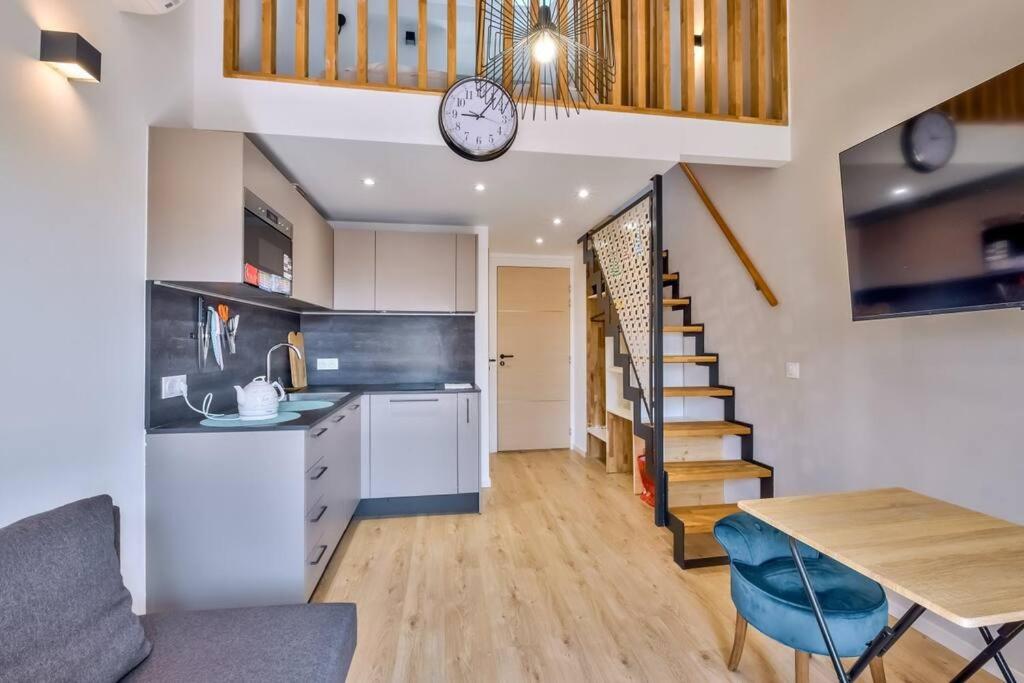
column 423, row 455
column 248, row 518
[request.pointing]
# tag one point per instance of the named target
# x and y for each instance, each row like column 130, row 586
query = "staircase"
column 699, row 445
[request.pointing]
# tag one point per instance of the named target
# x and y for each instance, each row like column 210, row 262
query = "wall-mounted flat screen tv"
column 935, row 207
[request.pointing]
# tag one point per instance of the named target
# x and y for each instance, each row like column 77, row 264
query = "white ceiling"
column 430, row 185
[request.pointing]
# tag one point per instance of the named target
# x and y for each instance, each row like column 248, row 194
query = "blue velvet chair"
column 768, row 594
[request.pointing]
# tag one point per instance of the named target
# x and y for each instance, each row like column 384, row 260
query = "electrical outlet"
column 326, row 363
column 175, row 385
column 792, row 370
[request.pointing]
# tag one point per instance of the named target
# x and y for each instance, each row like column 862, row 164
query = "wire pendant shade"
column 555, row 54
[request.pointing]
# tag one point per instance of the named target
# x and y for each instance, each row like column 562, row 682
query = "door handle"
column 503, row 356
column 414, row 400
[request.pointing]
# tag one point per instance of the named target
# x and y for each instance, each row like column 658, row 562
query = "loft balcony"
column 695, row 81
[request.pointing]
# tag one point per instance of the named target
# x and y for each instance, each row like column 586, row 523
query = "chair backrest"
column 750, row 541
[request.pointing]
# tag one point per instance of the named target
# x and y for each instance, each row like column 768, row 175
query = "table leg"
column 819, row 616
column 885, row 639
column 1004, row 668
column 1003, row 636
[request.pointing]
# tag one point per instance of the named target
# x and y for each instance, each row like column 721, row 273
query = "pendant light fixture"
column 556, row 54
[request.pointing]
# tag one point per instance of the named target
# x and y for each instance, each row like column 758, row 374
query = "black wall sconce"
column 71, row 55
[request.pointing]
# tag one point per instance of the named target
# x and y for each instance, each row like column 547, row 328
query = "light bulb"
column 544, row 48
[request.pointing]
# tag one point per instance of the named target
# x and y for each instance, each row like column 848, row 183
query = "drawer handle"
column 323, row 510
column 323, row 468
column 338, row 419
column 467, row 411
column 414, row 400
column 320, row 433
column 320, row 556
column 355, row 407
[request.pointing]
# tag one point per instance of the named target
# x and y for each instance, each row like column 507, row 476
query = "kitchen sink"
column 318, row 396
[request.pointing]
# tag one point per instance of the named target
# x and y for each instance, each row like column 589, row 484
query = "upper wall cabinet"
column 196, row 216
column 354, row 269
column 404, row 271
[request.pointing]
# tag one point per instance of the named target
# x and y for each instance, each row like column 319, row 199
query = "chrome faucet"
column 276, row 347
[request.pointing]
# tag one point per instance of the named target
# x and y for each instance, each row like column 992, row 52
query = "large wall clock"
column 478, row 119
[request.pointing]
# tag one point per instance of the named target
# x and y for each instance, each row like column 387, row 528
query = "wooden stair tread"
column 684, row 392
column 706, row 428
column 700, row 519
column 703, row 358
column 682, row 328
column 670, row 277
column 684, row 301
column 714, row 470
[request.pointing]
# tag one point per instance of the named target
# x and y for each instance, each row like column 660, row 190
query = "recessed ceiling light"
column 583, row 193
column 897, row 191
column 539, row 240
column 479, row 187
column 369, row 182
column 557, row 221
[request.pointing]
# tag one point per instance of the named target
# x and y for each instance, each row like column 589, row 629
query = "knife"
column 202, row 341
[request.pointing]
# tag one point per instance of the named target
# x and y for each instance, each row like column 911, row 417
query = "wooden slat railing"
column 721, row 59
column 741, row 253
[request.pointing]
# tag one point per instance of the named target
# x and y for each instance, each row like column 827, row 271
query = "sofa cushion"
column 65, row 614
column 308, row 643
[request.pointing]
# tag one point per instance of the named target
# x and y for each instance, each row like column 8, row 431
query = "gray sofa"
column 66, row 616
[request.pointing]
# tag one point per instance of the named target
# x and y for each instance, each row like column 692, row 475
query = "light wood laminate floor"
column 562, row 578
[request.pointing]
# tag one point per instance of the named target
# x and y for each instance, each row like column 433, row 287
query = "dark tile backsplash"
column 390, row 349
column 171, row 350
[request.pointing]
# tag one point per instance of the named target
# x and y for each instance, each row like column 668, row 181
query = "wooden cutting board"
column 299, row 380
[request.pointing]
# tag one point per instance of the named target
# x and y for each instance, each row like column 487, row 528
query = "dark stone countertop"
column 310, row 418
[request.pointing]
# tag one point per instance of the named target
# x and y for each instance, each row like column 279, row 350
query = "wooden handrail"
column 755, row 274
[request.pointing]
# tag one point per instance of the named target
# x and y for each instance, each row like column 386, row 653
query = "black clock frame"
column 454, row 146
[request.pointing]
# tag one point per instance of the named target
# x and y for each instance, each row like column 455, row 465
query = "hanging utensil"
column 215, row 336
column 232, row 331
column 202, row 339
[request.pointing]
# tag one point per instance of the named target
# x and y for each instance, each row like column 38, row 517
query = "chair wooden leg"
column 738, row 639
column 803, row 666
column 877, row 670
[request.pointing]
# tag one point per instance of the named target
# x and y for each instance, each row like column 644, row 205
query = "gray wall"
column 390, row 349
column 171, row 350
column 931, row 403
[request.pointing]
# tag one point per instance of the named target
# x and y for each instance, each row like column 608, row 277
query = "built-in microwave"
column 268, row 247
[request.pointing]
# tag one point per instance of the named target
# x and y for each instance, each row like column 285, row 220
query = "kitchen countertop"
column 310, row 418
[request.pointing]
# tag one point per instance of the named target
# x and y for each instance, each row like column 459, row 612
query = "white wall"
column 928, row 403
column 73, row 191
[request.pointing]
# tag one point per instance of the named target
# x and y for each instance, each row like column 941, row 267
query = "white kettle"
column 259, row 399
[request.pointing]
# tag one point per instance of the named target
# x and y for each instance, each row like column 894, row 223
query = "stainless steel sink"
column 318, row 396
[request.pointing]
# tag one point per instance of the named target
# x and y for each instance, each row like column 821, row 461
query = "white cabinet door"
column 469, row 442
column 415, row 271
column 413, row 445
column 465, row 273
column 347, row 493
column 354, row 265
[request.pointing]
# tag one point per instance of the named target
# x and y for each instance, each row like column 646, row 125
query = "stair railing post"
column 656, row 367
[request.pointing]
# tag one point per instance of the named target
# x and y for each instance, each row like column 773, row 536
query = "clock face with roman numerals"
column 478, row 119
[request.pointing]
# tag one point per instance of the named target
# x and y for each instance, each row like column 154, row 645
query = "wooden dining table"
column 965, row 566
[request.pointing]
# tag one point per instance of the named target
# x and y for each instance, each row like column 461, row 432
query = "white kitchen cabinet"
column 354, row 269
column 240, row 519
column 415, row 271
column 465, row 273
column 413, row 445
column 195, row 215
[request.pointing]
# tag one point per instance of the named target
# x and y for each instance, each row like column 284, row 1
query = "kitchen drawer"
column 318, row 554
column 318, row 519
column 319, row 480
column 413, row 445
column 320, row 437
